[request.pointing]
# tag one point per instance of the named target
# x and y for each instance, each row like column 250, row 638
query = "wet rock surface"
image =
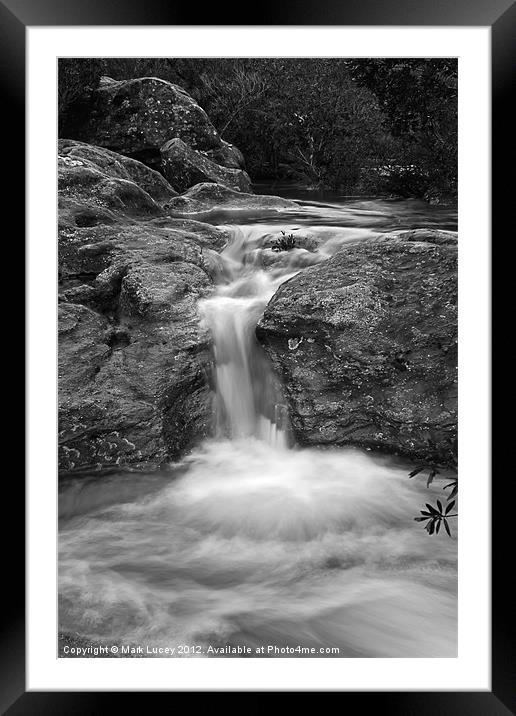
column 366, row 344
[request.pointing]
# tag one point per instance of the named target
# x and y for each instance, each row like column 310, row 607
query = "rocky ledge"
column 366, row 344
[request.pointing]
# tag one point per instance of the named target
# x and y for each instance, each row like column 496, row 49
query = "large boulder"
column 83, row 183
column 366, row 344
column 136, row 117
column 227, row 156
column 208, row 197
column 133, row 381
column 134, row 364
column 184, row 167
column 116, row 166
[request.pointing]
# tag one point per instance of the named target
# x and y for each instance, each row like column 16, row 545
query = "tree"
column 304, row 117
column 356, row 125
column 419, row 97
column 329, row 128
column 77, row 78
column 233, row 94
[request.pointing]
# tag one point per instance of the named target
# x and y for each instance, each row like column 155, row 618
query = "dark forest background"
column 359, row 126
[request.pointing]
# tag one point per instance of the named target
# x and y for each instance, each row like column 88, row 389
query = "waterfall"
column 243, row 543
column 249, row 401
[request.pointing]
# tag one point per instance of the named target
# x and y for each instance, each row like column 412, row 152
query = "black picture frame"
column 500, row 15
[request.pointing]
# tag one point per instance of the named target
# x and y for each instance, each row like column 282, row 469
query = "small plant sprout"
column 285, row 242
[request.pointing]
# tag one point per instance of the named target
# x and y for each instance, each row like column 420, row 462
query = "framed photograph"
column 258, row 355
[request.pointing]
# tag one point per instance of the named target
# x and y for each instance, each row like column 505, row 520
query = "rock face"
column 134, row 365
column 366, row 344
column 184, row 167
column 136, row 117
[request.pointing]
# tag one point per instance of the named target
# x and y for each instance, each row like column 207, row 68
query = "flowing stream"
column 249, row 541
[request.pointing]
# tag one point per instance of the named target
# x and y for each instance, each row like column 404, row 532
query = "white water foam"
column 257, row 545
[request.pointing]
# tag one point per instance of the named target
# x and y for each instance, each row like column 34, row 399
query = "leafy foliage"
column 454, row 484
column 285, row 242
column 419, row 97
column 77, row 78
column 435, row 516
column 231, row 96
column 432, row 473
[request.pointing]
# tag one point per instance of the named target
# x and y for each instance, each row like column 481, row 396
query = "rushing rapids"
column 251, row 546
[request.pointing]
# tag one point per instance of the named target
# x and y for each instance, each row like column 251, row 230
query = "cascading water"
column 247, row 543
column 248, row 397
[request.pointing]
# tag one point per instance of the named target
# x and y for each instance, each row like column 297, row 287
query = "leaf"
column 416, row 471
column 453, row 493
column 433, row 472
column 428, row 514
column 432, row 509
column 421, row 519
column 438, row 527
column 431, row 527
column 446, row 527
column 439, row 505
column 455, row 486
column 450, row 507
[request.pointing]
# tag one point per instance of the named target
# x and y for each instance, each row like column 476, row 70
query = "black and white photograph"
column 258, row 328
column 257, row 429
